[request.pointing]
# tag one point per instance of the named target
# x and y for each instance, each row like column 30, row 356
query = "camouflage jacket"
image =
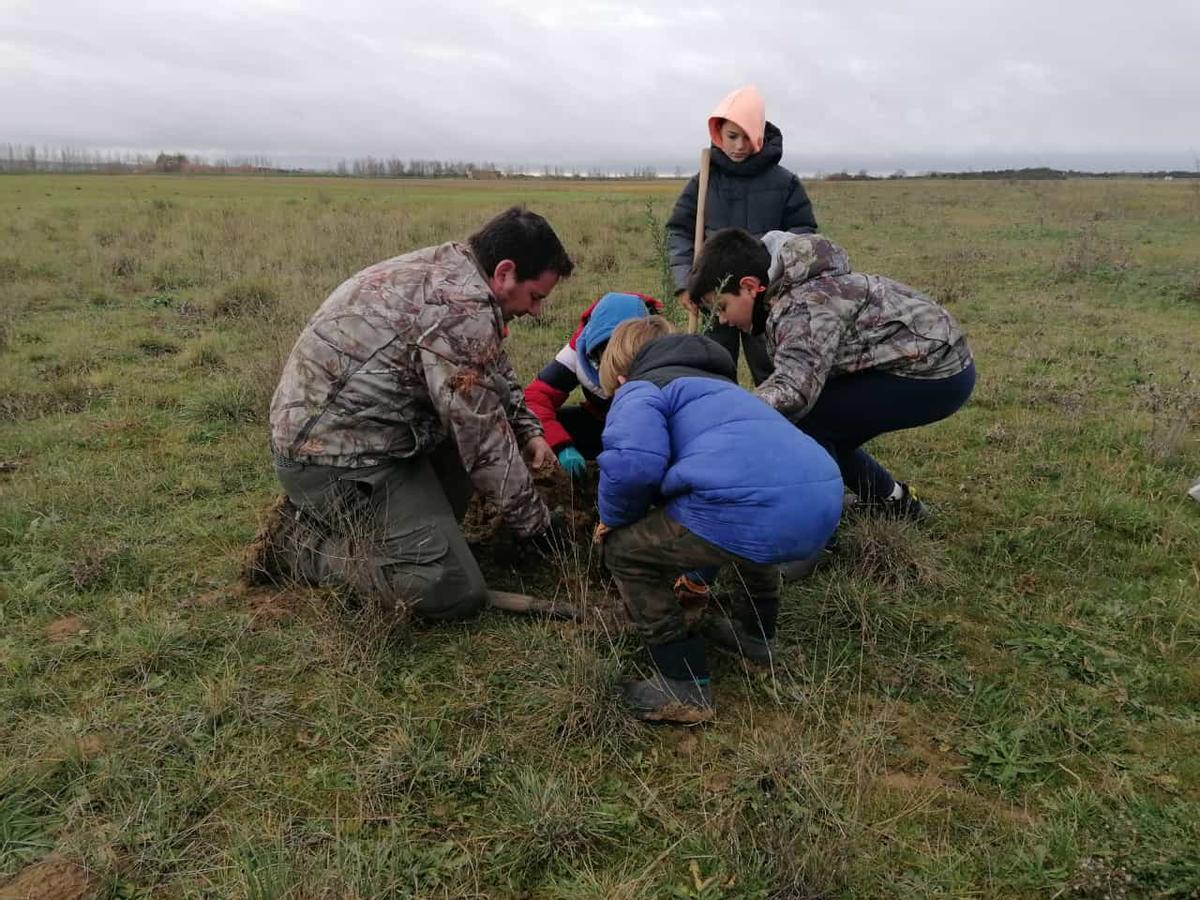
column 400, row 357
column 822, row 320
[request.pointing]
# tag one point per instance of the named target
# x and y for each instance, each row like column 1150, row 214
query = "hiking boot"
column 730, row 636
column 662, row 699
column 797, row 569
column 274, row 556
column 906, row 506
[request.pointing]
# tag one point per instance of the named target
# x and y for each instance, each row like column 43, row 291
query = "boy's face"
column 736, row 308
column 735, row 142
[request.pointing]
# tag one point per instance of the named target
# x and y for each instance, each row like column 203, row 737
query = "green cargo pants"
column 647, row 556
column 389, row 531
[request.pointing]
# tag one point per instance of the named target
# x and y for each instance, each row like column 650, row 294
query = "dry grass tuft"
column 246, row 299
column 892, row 554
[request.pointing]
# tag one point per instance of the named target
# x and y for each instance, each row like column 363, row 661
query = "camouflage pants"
column 645, row 559
column 389, row 531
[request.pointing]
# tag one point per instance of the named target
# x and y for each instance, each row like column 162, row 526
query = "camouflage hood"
column 802, row 257
column 823, row 321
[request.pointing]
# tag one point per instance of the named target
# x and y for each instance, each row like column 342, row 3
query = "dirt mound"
column 575, row 574
column 574, row 499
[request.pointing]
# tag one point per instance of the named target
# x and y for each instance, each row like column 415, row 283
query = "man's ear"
column 503, row 269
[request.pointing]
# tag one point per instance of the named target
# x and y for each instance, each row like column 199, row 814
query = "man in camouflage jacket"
column 398, row 401
column 854, row 355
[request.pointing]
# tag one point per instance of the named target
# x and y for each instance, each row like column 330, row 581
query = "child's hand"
column 599, row 533
column 685, row 300
column 572, row 462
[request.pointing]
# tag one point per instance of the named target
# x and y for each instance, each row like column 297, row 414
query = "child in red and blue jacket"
column 574, row 431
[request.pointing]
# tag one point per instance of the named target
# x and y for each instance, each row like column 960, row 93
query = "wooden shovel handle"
column 701, row 202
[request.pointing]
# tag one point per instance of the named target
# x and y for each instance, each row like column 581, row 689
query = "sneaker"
column 730, row 636
column 907, row 506
column 663, row 699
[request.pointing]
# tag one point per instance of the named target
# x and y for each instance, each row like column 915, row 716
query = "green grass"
column 1003, row 703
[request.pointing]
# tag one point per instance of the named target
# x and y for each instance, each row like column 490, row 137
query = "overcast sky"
column 852, row 84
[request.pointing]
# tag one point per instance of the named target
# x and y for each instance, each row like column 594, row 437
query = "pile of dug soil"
column 574, row 574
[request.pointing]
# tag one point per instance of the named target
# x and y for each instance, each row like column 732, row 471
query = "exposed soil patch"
column 51, row 879
column 574, row 574
column 92, row 745
column 61, row 630
column 267, row 604
column 576, row 500
column 272, row 607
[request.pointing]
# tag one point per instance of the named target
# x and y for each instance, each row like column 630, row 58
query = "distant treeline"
column 27, row 158
column 1043, row 173
column 394, row 167
column 22, row 158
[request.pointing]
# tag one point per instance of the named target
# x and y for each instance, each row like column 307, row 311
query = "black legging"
column 853, row 409
column 584, row 428
column 758, row 360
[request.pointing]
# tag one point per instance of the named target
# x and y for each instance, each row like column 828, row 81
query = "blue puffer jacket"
column 727, row 467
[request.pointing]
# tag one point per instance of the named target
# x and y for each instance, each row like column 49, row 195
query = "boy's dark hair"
column 524, row 237
column 727, row 257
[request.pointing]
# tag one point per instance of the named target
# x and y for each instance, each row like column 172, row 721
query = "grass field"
column 1005, row 702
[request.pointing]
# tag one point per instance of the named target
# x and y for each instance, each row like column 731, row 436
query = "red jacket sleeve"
column 545, row 394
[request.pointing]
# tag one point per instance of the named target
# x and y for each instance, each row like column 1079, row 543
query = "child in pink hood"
column 748, row 189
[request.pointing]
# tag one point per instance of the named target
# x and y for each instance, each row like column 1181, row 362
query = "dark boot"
column 279, row 553
column 679, row 690
column 798, row 569
column 663, row 699
column 746, row 631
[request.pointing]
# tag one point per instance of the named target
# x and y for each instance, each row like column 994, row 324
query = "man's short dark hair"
column 524, row 237
column 726, row 258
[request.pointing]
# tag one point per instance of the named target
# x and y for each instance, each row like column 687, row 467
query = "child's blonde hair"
column 627, row 339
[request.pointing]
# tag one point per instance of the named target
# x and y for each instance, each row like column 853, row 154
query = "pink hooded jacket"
column 746, row 108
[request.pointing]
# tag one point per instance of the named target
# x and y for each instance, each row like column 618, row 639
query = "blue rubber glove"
column 572, row 460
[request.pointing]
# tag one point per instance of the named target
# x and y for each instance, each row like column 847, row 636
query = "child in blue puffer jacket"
column 697, row 472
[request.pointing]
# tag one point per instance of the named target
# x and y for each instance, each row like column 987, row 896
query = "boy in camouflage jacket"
column 398, row 401
column 854, row 355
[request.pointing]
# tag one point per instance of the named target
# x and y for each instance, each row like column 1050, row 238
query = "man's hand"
column 685, row 300
column 600, row 533
column 538, row 453
column 553, row 541
column 572, row 462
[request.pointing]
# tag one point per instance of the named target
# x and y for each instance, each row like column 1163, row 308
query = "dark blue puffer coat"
column 756, row 194
column 681, row 434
